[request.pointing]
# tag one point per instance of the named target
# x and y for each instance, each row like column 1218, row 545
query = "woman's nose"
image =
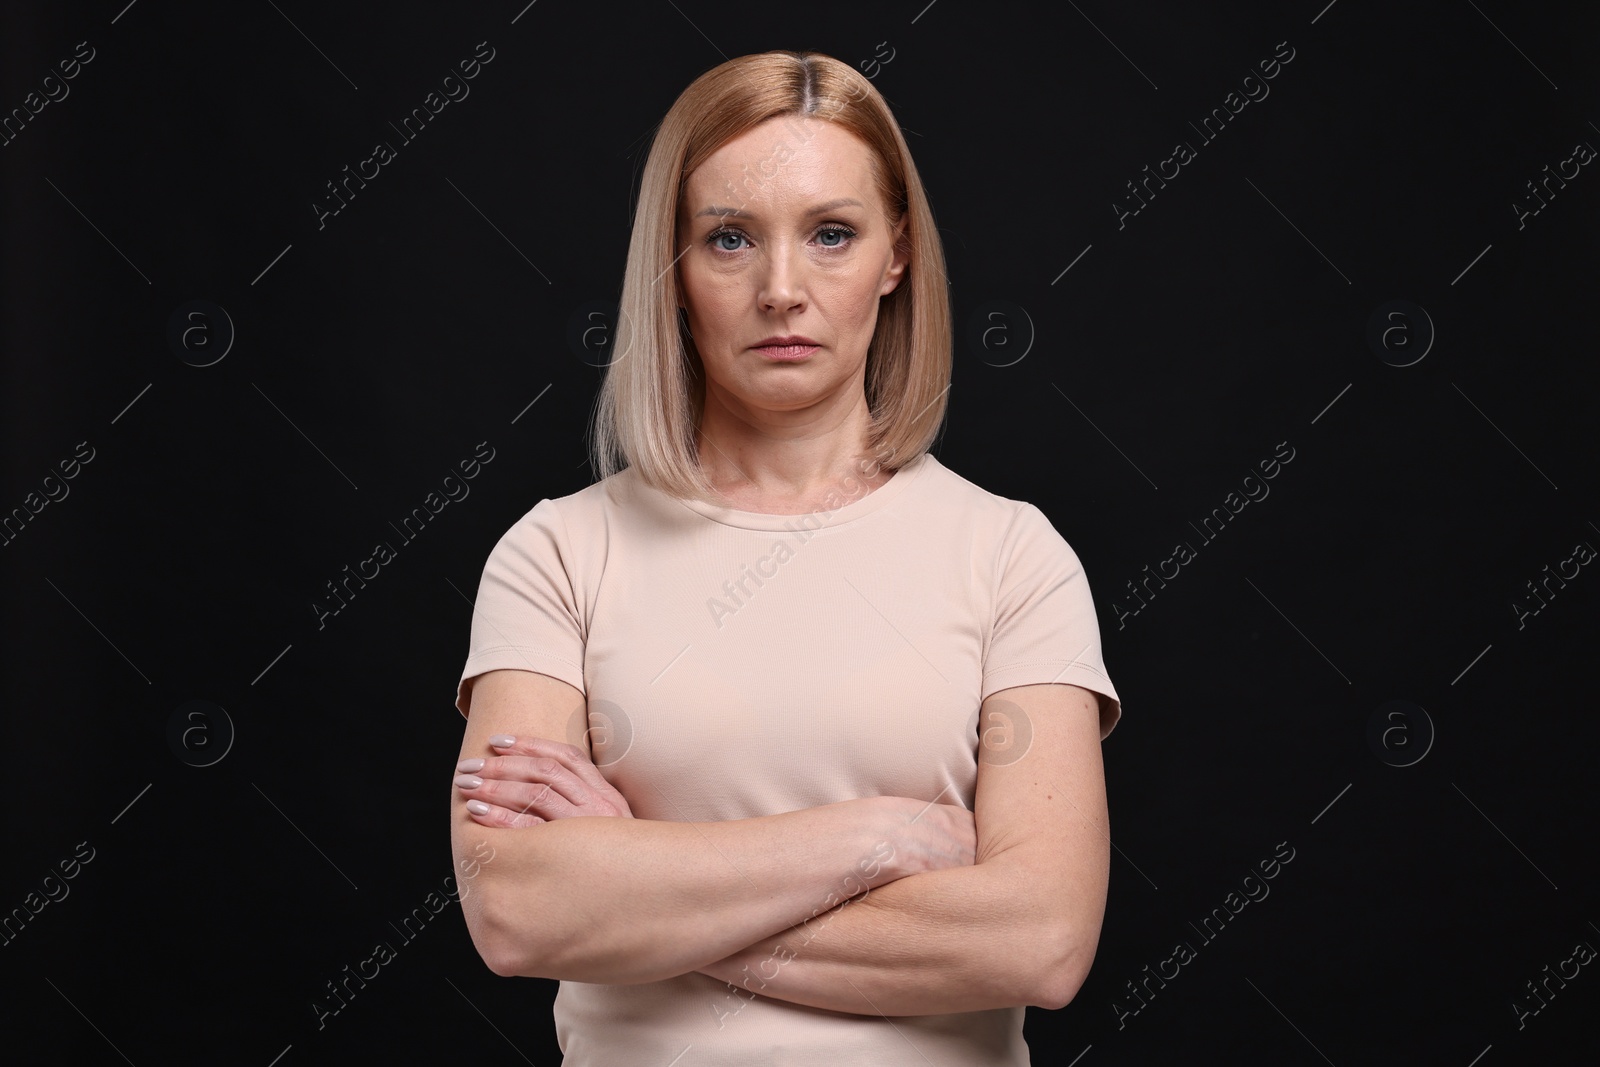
column 782, row 285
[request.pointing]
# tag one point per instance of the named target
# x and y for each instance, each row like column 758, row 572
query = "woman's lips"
column 786, row 352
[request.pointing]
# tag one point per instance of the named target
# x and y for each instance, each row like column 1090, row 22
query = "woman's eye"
column 827, row 237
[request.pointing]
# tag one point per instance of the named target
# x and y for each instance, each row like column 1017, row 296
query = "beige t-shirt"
column 738, row 664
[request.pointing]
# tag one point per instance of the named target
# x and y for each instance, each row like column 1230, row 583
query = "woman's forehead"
column 784, row 162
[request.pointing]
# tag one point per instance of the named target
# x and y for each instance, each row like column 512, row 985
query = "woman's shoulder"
column 960, row 495
column 592, row 511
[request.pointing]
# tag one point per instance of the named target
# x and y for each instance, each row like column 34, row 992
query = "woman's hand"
column 535, row 780
column 929, row 837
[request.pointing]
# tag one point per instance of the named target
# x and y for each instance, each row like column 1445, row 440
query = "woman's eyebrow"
column 820, row 209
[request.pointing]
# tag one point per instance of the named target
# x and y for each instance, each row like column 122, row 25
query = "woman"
column 758, row 655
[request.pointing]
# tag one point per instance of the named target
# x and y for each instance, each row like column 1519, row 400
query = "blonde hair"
column 653, row 394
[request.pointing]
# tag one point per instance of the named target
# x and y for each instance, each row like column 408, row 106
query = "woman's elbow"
column 1057, row 982
column 502, row 964
column 502, row 947
column 513, row 947
column 1056, row 990
column 503, row 956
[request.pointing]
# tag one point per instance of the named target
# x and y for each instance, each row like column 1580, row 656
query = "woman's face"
column 782, row 233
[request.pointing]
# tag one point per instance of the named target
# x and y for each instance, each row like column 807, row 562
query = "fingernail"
column 502, row 741
column 470, row 765
column 468, row 781
column 477, row 807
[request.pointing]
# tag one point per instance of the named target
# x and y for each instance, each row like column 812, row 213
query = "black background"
column 1181, row 348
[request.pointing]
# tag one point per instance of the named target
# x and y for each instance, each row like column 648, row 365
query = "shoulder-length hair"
column 653, row 394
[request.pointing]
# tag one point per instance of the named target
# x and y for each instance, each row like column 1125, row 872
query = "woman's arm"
column 624, row 900
column 1019, row 927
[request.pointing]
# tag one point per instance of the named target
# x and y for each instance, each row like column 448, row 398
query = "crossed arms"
column 883, row 905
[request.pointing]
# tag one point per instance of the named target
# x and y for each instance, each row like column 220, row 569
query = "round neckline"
column 816, row 518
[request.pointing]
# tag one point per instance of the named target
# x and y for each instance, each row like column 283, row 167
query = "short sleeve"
column 527, row 615
column 1045, row 628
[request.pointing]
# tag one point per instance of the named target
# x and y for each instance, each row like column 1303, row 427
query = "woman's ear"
column 899, row 261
